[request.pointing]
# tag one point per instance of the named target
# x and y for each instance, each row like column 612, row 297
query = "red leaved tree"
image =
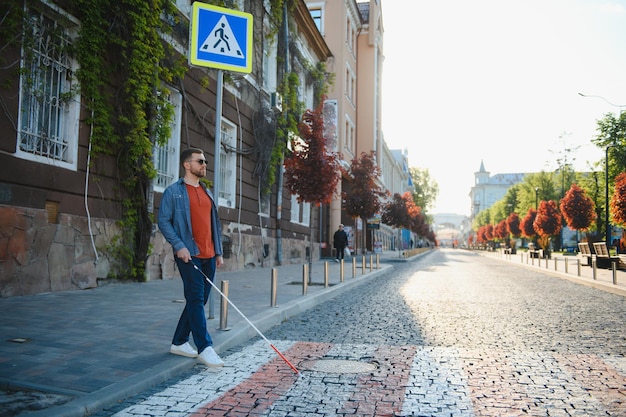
column 513, row 225
column 500, row 231
column 577, row 208
column 488, row 232
column 399, row 212
column 363, row 195
column 312, row 172
column 480, row 235
column 547, row 223
column 618, row 201
column 528, row 230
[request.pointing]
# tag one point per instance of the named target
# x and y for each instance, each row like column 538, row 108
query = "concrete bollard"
column 363, row 265
column 614, row 266
column 371, row 262
column 566, row 265
column 353, row 267
column 377, row 261
column 578, row 266
column 273, row 287
column 224, row 307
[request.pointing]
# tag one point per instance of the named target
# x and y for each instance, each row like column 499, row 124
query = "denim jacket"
column 175, row 219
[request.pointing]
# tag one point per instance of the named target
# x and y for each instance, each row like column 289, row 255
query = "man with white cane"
column 189, row 221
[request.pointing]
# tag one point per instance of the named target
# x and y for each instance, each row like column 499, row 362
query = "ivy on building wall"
column 124, row 69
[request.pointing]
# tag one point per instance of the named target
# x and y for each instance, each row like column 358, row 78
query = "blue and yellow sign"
column 220, row 38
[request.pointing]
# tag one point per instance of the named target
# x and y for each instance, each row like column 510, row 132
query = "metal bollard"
column 377, row 261
column 371, row 262
column 325, row 274
column 578, row 266
column 595, row 269
column 224, row 307
column 614, row 265
column 353, row 267
column 273, row 287
column 341, row 271
column 305, row 278
column 566, row 265
column 555, row 268
column 363, row 265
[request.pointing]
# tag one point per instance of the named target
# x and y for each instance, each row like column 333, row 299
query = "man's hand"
column 184, row 255
column 219, row 261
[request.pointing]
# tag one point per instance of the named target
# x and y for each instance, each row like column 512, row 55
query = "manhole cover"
column 338, row 366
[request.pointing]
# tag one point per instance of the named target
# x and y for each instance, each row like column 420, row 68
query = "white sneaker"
column 210, row 358
column 184, row 350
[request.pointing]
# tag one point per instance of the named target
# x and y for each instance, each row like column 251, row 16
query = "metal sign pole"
column 216, row 162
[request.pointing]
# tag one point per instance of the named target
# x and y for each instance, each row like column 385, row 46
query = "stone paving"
column 454, row 334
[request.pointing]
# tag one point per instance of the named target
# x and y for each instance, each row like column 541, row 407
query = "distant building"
column 488, row 189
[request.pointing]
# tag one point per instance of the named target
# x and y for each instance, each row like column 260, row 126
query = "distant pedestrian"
column 340, row 241
column 189, row 221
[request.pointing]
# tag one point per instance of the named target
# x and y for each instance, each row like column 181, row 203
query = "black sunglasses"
column 200, row 161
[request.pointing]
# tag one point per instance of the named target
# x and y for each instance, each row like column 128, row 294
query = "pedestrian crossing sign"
column 220, row 38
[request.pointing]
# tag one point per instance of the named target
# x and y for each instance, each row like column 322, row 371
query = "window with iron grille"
column 49, row 105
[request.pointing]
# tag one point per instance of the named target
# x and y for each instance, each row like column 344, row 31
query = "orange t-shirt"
column 200, row 207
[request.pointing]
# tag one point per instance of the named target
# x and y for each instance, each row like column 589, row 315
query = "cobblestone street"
column 452, row 334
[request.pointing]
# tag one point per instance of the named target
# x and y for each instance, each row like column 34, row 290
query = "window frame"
column 161, row 154
column 228, row 165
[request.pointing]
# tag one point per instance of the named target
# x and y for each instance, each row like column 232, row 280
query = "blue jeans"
column 197, row 290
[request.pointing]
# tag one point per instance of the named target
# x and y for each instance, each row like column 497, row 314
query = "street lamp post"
column 607, row 225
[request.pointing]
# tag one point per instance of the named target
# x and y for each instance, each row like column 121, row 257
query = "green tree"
column 611, row 132
column 426, row 189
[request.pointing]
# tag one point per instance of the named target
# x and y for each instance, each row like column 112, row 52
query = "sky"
column 498, row 81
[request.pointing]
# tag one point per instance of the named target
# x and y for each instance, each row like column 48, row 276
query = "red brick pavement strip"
column 494, row 382
column 599, row 379
column 256, row 394
column 382, row 392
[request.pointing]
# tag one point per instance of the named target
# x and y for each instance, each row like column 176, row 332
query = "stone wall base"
column 37, row 256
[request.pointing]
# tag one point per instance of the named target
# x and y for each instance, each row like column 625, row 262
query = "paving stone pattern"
column 454, row 334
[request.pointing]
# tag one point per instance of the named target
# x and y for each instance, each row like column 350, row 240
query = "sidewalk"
column 603, row 279
column 101, row 345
